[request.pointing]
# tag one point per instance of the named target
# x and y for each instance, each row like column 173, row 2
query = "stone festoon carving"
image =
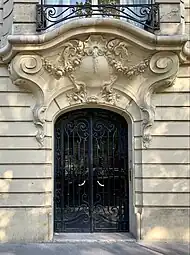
column 109, row 55
column 95, row 70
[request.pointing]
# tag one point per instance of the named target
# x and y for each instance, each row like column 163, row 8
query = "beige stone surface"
column 166, row 142
column 24, row 28
column 35, row 221
column 48, row 127
column 173, row 113
column 137, row 128
column 171, row 128
column 16, row 113
column 25, row 156
column 169, row 29
column 181, row 84
column 16, row 99
column 24, row 12
column 25, row 171
column 22, row 157
column 6, row 85
column 165, row 156
column 32, row 199
column 184, row 71
column 53, row 109
column 164, row 199
column 4, row 71
column 18, row 128
column 163, row 185
column 187, row 14
column 186, row 3
column 23, row 143
column 165, row 224
column 187, row 29
column 171, row 99
column 30, row 186
column 170, row 13
column 161, row 170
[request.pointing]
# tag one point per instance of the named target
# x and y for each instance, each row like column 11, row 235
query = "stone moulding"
column 96, row 68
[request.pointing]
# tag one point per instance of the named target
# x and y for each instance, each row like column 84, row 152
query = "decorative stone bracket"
column 95, row 69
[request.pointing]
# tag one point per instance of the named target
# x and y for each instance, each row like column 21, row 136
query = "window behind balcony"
column 136, row 12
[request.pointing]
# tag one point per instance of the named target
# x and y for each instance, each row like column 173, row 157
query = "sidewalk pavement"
column 95, row 248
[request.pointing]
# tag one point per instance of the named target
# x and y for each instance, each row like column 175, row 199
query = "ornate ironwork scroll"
column 91, row 177
column 146, row 15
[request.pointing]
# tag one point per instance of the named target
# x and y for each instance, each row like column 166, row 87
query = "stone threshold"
column 93, row 237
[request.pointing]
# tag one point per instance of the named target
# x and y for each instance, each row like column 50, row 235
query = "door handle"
column 101, row 185
column 82, row 183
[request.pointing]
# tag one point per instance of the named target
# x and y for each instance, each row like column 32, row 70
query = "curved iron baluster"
column 147, row 15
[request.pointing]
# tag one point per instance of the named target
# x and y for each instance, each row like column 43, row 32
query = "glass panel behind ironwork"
column 91, row 180
column 142, row 13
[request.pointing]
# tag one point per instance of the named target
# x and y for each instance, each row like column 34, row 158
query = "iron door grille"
column 91, row 177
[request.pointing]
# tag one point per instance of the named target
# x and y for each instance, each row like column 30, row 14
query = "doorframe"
column 134, row 225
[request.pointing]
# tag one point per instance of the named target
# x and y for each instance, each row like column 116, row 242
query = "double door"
column 91, row 177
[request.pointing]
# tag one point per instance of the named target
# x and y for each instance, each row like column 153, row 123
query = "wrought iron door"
column 91, row 177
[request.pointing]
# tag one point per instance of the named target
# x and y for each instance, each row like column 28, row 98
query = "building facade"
column 94, row 119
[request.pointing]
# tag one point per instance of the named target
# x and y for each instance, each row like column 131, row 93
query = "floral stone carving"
column 100, row 70
column 113, row 53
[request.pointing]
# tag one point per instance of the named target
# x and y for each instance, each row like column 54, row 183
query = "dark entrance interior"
column 91, row 172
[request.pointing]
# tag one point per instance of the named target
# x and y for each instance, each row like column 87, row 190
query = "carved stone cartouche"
column 100, row 70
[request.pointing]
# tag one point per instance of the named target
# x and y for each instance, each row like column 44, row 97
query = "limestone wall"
column 187, row 17
column 25, row 171
column 6, row 20
column 166, row 165
column 160, row 172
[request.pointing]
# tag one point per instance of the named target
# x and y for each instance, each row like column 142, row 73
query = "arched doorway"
column 91, row 190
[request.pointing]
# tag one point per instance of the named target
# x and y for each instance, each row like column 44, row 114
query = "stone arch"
column 115, row 67
column 133, row 116
column 96, row 69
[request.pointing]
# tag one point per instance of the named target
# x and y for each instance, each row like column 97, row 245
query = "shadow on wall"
column 19, row 190
column 166, row 224
column 33, row 224
column 22, row 224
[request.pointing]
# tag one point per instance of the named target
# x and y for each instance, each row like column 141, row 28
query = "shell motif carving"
column 74, row 52
column 27, row 71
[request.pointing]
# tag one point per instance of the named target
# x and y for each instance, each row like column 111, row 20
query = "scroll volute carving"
column 100, row 70
column 25, row 71
column 164, row 67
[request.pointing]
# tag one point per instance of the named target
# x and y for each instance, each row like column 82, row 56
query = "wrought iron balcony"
column 145, row 16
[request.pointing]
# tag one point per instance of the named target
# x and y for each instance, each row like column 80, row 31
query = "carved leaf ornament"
column 73, row 53
column 107, row 62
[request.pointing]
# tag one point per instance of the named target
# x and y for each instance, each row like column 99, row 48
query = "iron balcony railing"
column 145, row 16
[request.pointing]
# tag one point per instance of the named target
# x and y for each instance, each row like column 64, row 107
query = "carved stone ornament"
column 163, row 64
column 95, row 69
column 109, row 55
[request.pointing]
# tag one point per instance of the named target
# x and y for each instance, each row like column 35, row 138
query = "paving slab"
column 96, row 248
column 95, row 244
column 93, row 237
column 168, row 248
